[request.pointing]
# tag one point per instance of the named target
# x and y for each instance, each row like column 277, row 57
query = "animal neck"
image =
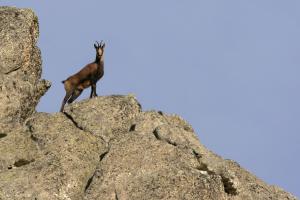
column 99, row 59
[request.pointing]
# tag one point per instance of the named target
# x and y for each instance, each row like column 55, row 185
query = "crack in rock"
column 156, row 134
column 33, row 138
column 229, row 187
column 81, row 128
column 102, row 156
column 88, row 184
column 116, row 195
column 196, row 154
column 2, row 135
column 228, row 184
column 132, row 127
column 11, row 71
column 73, row 121
column 203, row 167
column 22, row 162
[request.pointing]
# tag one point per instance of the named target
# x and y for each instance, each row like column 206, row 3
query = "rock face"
column 103, row 148
column 20, row 66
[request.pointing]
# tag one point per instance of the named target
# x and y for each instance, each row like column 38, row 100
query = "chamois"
column 86, row 77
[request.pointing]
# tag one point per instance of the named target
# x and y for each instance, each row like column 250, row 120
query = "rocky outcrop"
column 20, row 66
column 103, row 148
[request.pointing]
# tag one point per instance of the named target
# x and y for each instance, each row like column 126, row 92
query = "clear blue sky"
column 231, row 68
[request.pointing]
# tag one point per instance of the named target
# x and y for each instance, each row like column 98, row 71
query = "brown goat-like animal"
column 86, row 77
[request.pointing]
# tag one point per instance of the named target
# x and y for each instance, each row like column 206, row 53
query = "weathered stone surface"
column 16, row 146
column 55, row 159
column 20, row 66
column 104, row 117
column 102, row 148
column 148, row 121
column 139, row 166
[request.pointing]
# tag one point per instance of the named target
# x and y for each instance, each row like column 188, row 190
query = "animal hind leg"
column 68, row 94
column 75, row 95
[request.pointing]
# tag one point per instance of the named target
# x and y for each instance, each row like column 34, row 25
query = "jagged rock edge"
column 229, row 188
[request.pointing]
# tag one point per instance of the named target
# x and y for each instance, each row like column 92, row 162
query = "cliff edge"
column 103, row 148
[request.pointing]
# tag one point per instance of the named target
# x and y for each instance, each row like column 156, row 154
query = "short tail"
column 64, row 81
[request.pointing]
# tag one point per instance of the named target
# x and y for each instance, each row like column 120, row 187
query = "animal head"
column 99, row 48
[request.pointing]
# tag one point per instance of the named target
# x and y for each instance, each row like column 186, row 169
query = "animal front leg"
column 93, row 92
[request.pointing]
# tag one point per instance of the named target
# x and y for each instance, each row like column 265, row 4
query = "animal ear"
column 95, row 46
column 103, row 45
